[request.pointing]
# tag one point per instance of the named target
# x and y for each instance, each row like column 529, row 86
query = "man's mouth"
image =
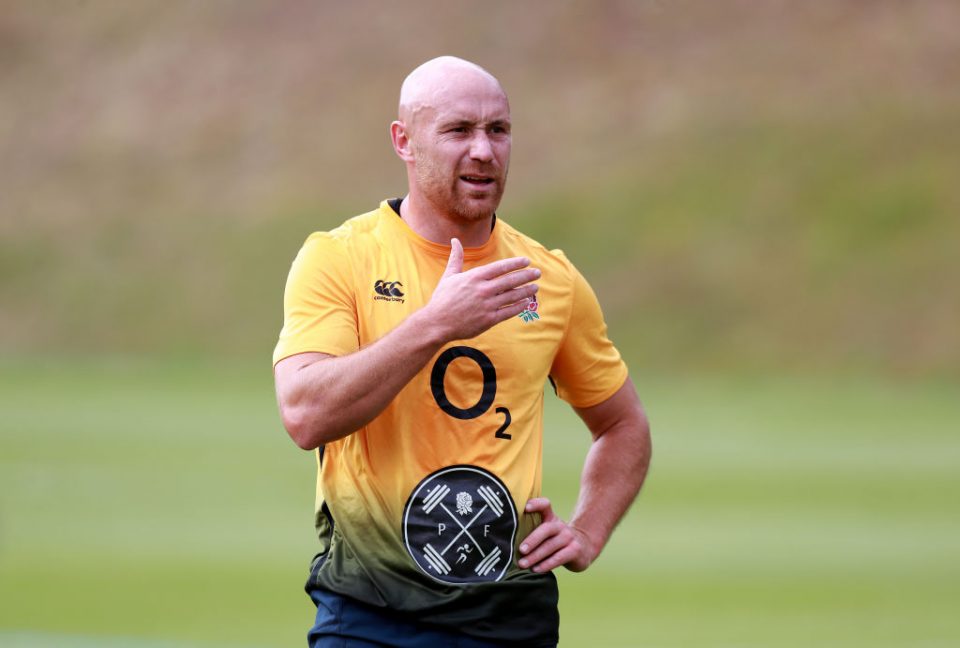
column 477, row 180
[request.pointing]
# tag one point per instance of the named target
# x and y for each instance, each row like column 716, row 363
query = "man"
column 415, row 348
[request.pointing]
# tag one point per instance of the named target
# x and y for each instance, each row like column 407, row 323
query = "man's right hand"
column 465, row 304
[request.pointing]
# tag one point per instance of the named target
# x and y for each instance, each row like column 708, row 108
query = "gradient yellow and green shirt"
column 421, row 510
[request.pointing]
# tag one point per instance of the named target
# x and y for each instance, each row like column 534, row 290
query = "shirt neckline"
column 391, row 216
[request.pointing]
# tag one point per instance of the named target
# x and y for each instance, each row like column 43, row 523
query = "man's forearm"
column 331, row 397
column 615, row 467
column 613, row 472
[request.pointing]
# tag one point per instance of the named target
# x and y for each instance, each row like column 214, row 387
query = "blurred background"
column 763, row 194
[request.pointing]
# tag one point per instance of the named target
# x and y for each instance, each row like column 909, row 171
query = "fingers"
column 519, row 296
column 513, row 280
column 552, row 543
column 502, row 275
column 539, row 505
column 512, row 292
column 512, row 309
column 557, row 550
column 455, row 262
column 544, row 530
column 501, row 267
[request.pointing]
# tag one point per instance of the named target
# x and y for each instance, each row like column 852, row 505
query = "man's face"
column 461, row 148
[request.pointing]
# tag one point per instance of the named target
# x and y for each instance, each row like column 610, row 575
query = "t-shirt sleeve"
column 587, row 369
column 319, row 310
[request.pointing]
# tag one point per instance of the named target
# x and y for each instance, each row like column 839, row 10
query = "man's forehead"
column 448, row 84
column 472, row 109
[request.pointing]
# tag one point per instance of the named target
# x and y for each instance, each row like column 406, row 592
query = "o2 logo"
column 489, row 393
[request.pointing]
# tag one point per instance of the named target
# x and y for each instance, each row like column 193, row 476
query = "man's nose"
column 480, row 147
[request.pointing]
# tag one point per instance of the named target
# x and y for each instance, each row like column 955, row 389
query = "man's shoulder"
column 355, row 227
column 352, row 232
column 540, row 255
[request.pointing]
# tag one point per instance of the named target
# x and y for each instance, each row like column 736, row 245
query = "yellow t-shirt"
column 421, row 510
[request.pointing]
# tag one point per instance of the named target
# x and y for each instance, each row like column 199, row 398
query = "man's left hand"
column 554, row 542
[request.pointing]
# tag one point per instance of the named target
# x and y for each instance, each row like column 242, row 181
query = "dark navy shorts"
column 343, row 622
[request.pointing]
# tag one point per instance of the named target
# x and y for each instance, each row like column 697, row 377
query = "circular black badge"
column 459, row 524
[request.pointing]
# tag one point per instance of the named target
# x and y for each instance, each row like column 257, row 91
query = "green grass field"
column 160, row 504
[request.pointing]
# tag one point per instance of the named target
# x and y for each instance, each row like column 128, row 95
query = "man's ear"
column 401, row 141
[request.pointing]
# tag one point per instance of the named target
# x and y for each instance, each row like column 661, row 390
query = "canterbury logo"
column 388, row 290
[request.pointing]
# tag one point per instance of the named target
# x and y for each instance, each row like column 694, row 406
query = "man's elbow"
column 642, row 428
column 634, row 434
column 311, row 427
column 643, row 441
column 301, row 427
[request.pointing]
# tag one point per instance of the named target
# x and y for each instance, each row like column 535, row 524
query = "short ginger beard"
column 436, row 188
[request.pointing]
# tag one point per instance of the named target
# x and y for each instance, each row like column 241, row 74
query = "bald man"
column 416, row 343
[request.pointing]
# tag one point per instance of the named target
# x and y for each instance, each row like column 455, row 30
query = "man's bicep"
column 622, row 408
column 286, row 370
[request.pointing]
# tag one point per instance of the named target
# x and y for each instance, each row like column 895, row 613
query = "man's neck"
column 440, row 228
